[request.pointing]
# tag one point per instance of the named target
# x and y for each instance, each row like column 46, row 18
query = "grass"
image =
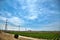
column 42, row 35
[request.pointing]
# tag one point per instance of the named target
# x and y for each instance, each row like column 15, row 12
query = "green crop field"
column 38, row 34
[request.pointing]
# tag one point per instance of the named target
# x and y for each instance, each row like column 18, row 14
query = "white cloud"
column 12, row 3
column 3, row 18
column 31, row 1
column 32, row 7
column 31, row 17
column 24, row 7
column 55, row 26
column 5, row 13
column 13, row 20
column 16, row 20
column 32, row 10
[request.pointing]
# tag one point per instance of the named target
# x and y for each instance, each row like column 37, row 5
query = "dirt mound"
column 5, row 36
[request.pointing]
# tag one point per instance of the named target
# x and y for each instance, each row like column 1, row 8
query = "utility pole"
column 6, row 25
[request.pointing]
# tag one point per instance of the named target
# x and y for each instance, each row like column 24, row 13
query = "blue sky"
column 39, row 15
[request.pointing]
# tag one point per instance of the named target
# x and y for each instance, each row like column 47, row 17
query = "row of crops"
column 34, row 34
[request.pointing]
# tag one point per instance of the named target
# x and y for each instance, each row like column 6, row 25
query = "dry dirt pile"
column 4, row 36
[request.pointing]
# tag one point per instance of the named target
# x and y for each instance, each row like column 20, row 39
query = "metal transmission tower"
column 6, row 25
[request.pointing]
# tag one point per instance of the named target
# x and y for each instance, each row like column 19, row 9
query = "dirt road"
column 6, row 36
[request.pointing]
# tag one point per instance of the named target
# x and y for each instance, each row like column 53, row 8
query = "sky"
column 37, row 15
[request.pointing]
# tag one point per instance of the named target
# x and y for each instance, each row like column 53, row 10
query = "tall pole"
column 6, row 25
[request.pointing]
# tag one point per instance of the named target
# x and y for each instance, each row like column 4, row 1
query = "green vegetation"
column 43, row 35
